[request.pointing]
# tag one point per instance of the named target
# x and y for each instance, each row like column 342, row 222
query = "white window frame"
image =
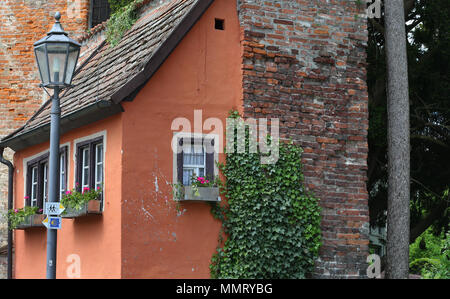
column 34, row 186
column 45, row 181
column 85, row 164
column 176, row 148
column 62, row 175
column 102, row 134
column 194, row 167
column 25, row 162
column 99, row 183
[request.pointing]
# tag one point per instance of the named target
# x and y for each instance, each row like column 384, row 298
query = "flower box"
column 32, row 221
column 90, row 207
column 203, row 194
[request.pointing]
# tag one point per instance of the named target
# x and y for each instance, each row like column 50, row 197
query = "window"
column 45, row 185
column 98, row 166
column 34, row 186
column 37, row 179
column 219, row 24
column 99, row 12
column 195, row 158
column 85, row 157
column 62, row 174
column 90, row 164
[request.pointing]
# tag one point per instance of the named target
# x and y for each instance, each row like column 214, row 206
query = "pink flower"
column 40, row 210
column 26, row 197
column 16, row 211
column 85, row 189
column 68, row 192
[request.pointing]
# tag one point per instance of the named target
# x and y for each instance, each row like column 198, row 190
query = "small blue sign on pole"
column 52, row 222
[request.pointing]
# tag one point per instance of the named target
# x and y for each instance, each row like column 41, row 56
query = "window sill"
column 32, row 221
column 204, row 194
column 91, row 207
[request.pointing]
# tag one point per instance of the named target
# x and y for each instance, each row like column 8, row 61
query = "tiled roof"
column 105, row 74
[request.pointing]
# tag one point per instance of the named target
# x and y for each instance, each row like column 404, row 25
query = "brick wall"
column 23, row 22
column 3, row 265
column 304, row 63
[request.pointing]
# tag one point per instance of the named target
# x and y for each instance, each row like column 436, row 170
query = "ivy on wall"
column 115, row 5
column 270, row 223
column 125, row 14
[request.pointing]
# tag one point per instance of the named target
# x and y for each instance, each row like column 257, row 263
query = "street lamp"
column 56, row 56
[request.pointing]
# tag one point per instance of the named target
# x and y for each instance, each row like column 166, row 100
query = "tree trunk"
column 397, row 265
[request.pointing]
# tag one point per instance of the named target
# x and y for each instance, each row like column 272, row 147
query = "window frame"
column 41, row 164
column 195, row 168
column 91, row 13
column 97, row 164
column 211, row 156
column 80, row 148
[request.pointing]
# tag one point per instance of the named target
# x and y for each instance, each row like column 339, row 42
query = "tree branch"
column 428, row 138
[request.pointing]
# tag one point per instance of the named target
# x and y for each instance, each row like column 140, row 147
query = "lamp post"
column 56, row 56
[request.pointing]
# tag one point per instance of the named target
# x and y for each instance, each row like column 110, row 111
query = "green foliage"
column 430, row 255
column 177, row 191
column 76, row 200
column 122, row 19
column 17, row 216
column 118, row 4
column 271, row 224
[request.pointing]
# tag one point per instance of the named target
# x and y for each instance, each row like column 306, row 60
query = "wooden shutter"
column 40, row 186
column 65, row 151
column 92, row 166
column 180, row 162
column 78, row 168
column 28, row 200
column 210, row 159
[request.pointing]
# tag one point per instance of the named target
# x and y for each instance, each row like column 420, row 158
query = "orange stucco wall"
column 94, row 239
column 204, row 73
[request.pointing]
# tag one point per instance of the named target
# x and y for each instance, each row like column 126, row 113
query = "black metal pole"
column 53, row 182
column 10, row 206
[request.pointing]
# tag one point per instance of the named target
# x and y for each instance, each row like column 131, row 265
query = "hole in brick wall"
column 219, row 24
